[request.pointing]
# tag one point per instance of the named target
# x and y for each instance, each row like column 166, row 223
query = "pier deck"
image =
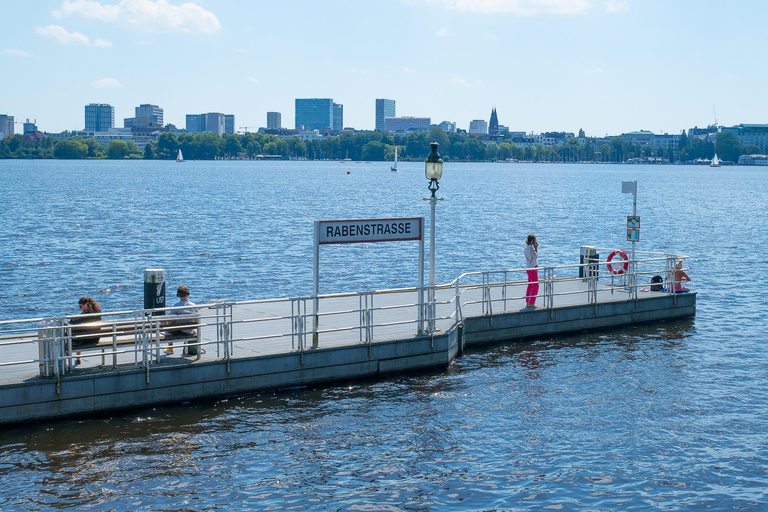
column 356, row 339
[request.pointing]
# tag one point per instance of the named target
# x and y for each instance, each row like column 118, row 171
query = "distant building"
column 384, row 109
column 99, row 117
column 667, row 142
column 448, row 126
column 30, row 127
column 212, row 122
column 151, row 112
column 478, row 127
column 314, row 113
column 338, row 117
column 642, row 138
column 6, row 126
column 703, row 133
column 751, row 135
column 407, row 124
column 274, row 121
column 493, row 125
column 229, row 123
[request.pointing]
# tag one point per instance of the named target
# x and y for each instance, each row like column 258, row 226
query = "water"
column 669, row 416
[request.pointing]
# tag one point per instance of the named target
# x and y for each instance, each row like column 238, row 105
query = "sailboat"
column 179, row 158
column 715, row 161
column 394, row 167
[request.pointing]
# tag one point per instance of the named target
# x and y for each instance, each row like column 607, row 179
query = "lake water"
column 669, row 416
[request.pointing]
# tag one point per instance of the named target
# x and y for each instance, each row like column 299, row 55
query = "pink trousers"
column 533, row 286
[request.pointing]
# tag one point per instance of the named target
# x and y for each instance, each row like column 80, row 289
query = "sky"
column 605, row 66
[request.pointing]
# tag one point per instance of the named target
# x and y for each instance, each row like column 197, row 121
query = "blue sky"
column 607, row 66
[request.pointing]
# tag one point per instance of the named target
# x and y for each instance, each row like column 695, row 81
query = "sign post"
column 365, row 231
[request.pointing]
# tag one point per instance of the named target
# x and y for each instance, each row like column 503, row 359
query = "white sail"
column 715, row 161
column 180, row 158
column 394, row 167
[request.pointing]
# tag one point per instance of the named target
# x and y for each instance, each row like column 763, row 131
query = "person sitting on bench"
column 180, row 332
column 88, row 334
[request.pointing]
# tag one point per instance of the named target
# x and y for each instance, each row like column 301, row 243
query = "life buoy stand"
column 620, row 269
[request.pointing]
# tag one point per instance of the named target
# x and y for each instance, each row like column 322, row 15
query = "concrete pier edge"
column 103, row 391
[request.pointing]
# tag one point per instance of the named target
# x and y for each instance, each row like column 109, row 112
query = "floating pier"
column 252, row 346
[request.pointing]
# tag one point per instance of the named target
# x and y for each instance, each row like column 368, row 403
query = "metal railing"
column 142, row 337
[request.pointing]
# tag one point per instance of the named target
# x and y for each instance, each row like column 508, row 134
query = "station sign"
column 369, row 230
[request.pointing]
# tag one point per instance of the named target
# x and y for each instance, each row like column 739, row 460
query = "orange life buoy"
column 620, row 268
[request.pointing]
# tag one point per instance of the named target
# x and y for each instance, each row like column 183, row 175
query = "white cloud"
column 15, row 53
column 492, row 37
column 615, row 5
column 459, row 82
column 253, row 80
column 529, row 7
column 65, row 37
column 146, row 15
column 106, row 83
column 445, row 32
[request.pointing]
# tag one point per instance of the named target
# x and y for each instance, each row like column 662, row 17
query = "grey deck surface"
column 394, row 318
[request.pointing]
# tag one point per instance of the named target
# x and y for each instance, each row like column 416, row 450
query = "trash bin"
column 590, row 258
column 154, row 289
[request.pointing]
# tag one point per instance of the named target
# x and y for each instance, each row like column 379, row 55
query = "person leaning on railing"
column 87, row 334
column 680, row 277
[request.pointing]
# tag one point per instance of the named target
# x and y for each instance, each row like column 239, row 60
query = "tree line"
column 369, row 146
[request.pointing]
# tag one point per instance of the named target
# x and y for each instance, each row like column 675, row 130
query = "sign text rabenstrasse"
column 369, row 230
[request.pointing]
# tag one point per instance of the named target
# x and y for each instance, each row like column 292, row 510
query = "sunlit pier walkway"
column 272, row 344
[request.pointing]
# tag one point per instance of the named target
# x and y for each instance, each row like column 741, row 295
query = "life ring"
column 620, row 268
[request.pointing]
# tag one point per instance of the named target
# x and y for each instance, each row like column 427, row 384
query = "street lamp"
column 433, row 169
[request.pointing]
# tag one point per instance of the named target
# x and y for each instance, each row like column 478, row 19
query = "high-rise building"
column 478, row 127
column 274, row 121
column 338, row 117
column 314, row 113
column 99, row 117
column 152, row 112
column 493, row 126
column 6, row 126
column 384, row 109
column 30, row 127
column 407, row 124
column 229, row 123
column 213, row 122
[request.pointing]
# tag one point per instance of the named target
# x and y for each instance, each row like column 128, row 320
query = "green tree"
column 439, row 135
column 230, row 146
column 374, row 151
column 149, row 150
column 750, row 149
column 167, row 146
column 95, row 148
column 728, row 146
column 117, row 149
column 71, row 149
column 491, row 151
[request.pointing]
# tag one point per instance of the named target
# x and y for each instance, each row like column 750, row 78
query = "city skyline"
column 605, row 66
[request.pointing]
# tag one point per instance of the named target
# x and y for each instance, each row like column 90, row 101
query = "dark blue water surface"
column 670, row 416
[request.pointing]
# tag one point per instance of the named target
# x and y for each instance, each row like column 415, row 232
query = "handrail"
column 287, row 324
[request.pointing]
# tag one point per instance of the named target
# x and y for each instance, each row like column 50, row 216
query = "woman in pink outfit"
column 532, row 263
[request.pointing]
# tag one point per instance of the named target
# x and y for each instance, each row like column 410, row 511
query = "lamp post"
column 433, row 169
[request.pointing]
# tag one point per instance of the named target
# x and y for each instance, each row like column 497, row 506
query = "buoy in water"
column 347, row 172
